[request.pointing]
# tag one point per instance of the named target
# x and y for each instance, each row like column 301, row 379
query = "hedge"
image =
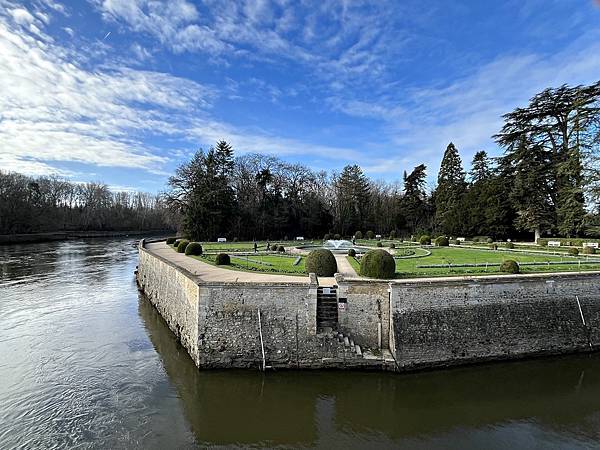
column 183, row 243
column 222, row 259
column 171, row 240
column 509, row 245
column 377, row 264
column 568, row 242
column 321, row 262
column 509, row 266
column 281, row 249
column 193, row 248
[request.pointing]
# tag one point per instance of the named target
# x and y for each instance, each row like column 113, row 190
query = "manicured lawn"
column 283, row 264
column 454, row 255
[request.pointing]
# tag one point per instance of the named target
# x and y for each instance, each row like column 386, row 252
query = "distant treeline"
column 547, row 182
column 44, row 204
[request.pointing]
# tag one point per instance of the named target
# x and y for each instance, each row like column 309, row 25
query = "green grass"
column 281, row 264
column 455, row 255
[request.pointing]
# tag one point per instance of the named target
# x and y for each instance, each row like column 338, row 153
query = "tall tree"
column 414, row 203
column 352, row 199
column 451, row 187
column 563, row 122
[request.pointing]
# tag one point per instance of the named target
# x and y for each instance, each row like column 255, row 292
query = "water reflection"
column 556, row 401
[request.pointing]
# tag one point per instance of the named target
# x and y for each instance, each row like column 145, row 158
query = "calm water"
column 85, row 362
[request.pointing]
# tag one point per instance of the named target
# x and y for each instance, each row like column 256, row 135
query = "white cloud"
column 58, row 111
column 22, row 16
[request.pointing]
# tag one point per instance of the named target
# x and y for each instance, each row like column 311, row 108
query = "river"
column 86, row 362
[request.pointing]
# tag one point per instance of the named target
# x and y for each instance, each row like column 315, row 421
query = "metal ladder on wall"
column 327, row 309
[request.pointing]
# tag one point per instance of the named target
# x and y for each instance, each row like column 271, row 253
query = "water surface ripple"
column 86, row 362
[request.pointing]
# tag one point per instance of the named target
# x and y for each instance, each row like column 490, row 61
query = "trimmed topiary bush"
column 442, row 241
column 370, row 235
column 321, row 262
column 509, row 245
column 489, row 240
column 425, row 240
column 171, row 240
column 377, row 264
column 176, row 243
column 392, row 245
column 393, row 234
column 193, row 248
column 509, row 266
column 589, row 251
column 281, row 249
column 222, row 259
column 326, row 237
column 337, row 236
column 183, row 243
column 573, row 251
column 351, row 252
column 358, row 235
column 379, row 244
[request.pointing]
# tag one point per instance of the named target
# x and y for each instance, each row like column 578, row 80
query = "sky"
column 124, row 91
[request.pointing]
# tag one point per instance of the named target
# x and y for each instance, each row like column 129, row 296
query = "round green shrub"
column 377, row 264
column 337, row 236
column 171, row 240
column 589, row 251
column 573, row 251
column 358, row 235
column 176, row 243
column 281, row 249
column 193, row 248
column 351, row 252
column 509, row 266
column 379, row 244
column 370, row 234
column 392, row 245
column 222, row 259
column 321, row 262
column 183, row 243
column 425, row 240
column 442, row 241
column 509, row 245
column 326, row 237
column 489, row 240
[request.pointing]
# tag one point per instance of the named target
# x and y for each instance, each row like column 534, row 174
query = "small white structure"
column 377, row 236
column 553, row 243
column 221, row 239
column 590, row 244
column 461, row 239
column 300, row 238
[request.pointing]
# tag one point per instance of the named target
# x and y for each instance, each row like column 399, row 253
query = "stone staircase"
column 327, row 309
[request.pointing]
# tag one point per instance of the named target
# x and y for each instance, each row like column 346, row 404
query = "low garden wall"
column 455, row 322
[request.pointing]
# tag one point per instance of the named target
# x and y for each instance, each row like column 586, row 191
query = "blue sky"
column 123, row 91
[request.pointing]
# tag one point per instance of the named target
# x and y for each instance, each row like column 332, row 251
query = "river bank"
column 30, row 238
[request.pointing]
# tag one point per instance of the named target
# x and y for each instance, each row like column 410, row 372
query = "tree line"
column 45, row 204
column 546, row 181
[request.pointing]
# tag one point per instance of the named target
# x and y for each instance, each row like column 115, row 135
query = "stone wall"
column 455, row 322
column 174, row 293
column 365, row 315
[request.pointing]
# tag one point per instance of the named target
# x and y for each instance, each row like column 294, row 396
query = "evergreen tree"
column 449, row 214
column 352, row 200
column 414, row 203
column 531, row 188
column 570, row 197
column 480, row 167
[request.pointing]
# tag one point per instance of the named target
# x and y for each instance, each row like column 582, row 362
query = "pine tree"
column 353, row 194
column 449, row 216
column 414, row 203
column 480, row 167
